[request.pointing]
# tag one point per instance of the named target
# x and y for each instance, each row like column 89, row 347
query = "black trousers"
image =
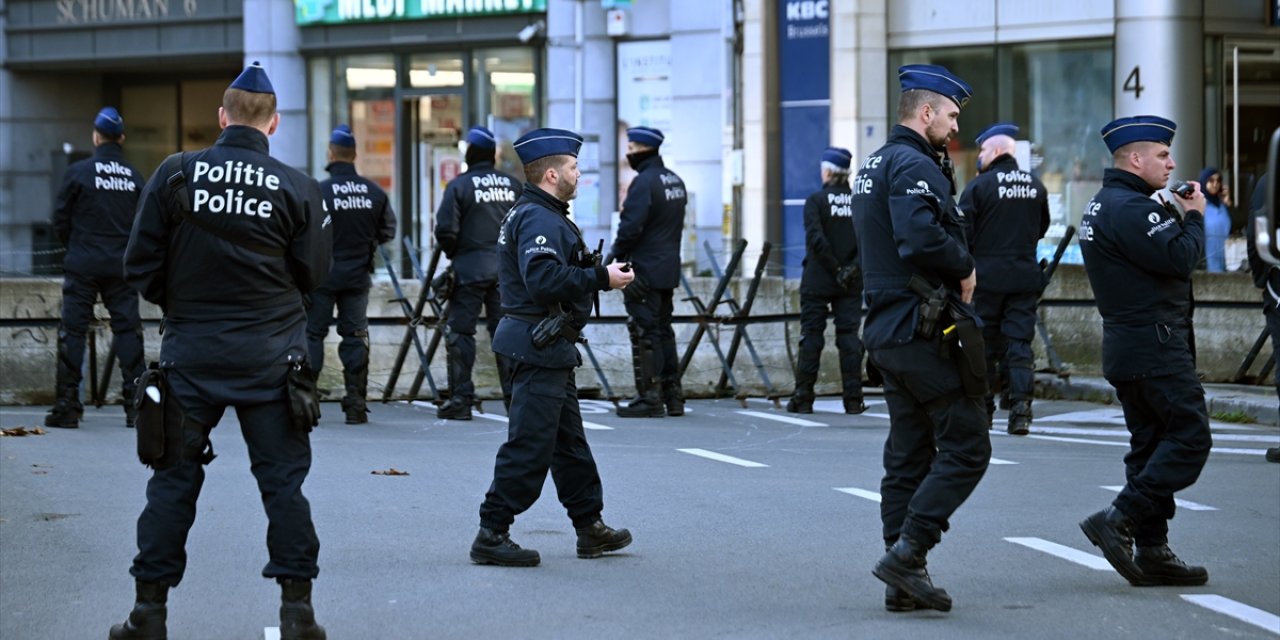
column 653, row 316
column 938, row 445
column 1273, row 327
column 1009, row 321
column 353, row 326
column 464, row 313
column 279, row 457
column 847, row 310
column 544, row 432
column 79, row 293
column 1169, row 444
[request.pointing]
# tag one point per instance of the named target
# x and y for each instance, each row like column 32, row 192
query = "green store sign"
column 315, row 12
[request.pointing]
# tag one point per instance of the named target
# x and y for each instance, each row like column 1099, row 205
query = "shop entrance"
column 431, row 124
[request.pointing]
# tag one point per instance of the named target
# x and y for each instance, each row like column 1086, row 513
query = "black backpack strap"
column 182, row 203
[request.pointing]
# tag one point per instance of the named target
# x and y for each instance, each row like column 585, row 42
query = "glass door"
column 432, row 125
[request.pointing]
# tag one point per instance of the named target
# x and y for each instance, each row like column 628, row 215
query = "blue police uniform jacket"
column 1139, row 257
column 468, row 219
column 830, row 240
column 228, row 308
column 541, row 263
column 1266, row 276
column 651, row 224
column 362, row 220
column 1006, row 212
column 907, row 224
column 94, row 211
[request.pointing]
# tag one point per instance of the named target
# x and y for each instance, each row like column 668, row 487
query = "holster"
column 551, row 328
column 161, row 425
column 304, row 398
column 969, row 350
column 932, row 306
column 444, row 284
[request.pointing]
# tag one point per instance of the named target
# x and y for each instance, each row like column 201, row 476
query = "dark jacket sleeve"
column 969, row 205
column 449, row 218
column 387, row 230
column 815, row 239
column 310, row 250
column 921, row 240
column 1167, row 247
column 634, row 217
column 146, row 254
column 547, row 272
column 63, row 205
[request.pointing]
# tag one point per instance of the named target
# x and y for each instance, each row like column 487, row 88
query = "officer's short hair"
column 534, row 171
column 911, row 100
column 109, row 137
column 835, row 169
column 476, row 153
column 1122, row 154
column 247, row 107
column 341, row 153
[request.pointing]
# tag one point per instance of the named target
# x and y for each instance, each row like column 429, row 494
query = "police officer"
column 1266, row 277
column 1139, row 256
column 1006, row 213
column 92, row 217
column 911, row 243
column 547, row 280
column 831, row 280
column 467, row 223
column 650, row 226
column 362, row 220
column 230, row 341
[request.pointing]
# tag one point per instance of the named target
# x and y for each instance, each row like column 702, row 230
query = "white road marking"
column 1097, row 563
column 1185, row 504
column 1223, row 437
column 500, row 418
column 861, row 493
column 1115, row 415
column 877, row 415
column 787, row 419
column 1001, row 461
column 720, row 457
column 1243, row 452
column 837, row 406
column 271, row 633
column 1237, row 610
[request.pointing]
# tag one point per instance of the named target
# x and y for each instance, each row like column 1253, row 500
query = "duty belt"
column 566, row 331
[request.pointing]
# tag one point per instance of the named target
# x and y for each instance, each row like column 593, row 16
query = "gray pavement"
column 780, row 548
column 1259, row 403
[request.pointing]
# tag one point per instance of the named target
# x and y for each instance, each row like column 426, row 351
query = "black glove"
column 637, row 291
column 848, row 275
column 443, row 284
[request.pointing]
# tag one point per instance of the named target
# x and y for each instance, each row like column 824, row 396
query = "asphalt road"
column 746, row 525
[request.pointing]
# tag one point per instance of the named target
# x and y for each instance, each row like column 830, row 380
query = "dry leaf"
column 390, row 472
column 22, row 431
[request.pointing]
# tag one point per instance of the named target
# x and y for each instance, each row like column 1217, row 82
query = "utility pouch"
column 970, row 354
column 304, row 398
column 156, row 435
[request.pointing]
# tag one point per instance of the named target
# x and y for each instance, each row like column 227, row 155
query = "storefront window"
column 1059, row 121
column 435, row 70
column 506, row 97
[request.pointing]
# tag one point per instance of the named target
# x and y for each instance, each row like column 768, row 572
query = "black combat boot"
column 1020, row 418
column 458, row 406
column 496, row 547
column 1160, row 566
column 297, row 617
column 147, row 620
column 595, row 540
column 673, row 397
column 648, row 401
column 897, row 600
column 1112, row 531
column 354, row 404
column 455, row 408
column 903, row 566
column 806, row 375
column 67, row 411
column 854, row 405
column 1273, row 454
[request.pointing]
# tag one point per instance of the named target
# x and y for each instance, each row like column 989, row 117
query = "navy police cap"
column 837, row 156
column 998, row 129
column 342, row 137
column 1122, row 131
column 646, row 136
column 481, row 138
column 253, row 79
column 541, row 143
column 935, row 78
column 109, row 122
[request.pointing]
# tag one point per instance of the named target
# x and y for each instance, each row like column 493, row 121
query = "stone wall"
column 1228, row 319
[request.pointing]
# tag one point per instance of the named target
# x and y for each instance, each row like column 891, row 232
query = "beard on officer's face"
column 566, row 189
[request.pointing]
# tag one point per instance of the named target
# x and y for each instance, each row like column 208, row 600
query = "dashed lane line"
column 720, row 457
column 1185, row 504
column 861, row 493
column 271, row 633
column 503, row 419
column 787, row 419
column 1238, row 610
column 1097, row 563
column 1002, row 461
column 1121, row 433
column 1228, row 450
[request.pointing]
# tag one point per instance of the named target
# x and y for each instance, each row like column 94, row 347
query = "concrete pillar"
column 759, row 124
column 859, row 55
column 271, row 37
column 1160, row 48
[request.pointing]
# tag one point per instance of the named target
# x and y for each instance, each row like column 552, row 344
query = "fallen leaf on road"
column 22, row 431
column 390, row 472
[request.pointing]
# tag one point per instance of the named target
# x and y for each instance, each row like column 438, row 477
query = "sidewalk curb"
column 1262, row 407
